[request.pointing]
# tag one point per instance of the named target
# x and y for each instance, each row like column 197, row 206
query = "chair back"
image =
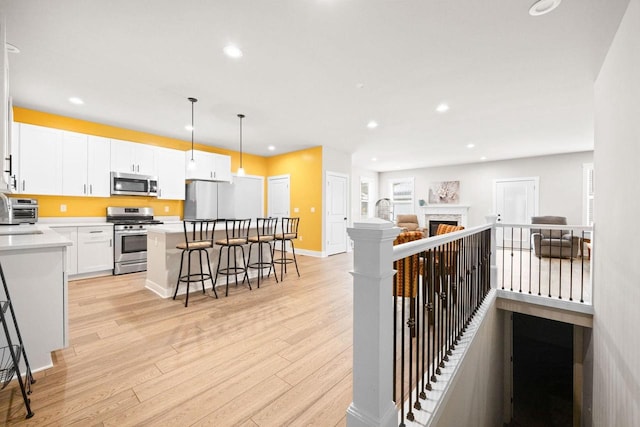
column 197, row 232
column 266, row 226
column 553, row 220
column 237, row 231
column 290, row 227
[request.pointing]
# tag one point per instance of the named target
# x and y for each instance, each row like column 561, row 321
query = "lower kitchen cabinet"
column 70, row 233
column 91, row 252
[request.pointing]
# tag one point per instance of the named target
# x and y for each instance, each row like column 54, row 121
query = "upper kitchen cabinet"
column 40, row 160
column 85, row 165
column 129, row 157
column 208, row 166
column 171, row 174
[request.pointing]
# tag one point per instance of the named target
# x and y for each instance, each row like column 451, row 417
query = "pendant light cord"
column 241, row 117
column 193, row 101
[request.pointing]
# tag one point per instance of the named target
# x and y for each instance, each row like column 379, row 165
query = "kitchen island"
column 163, row 260
column 33, row 259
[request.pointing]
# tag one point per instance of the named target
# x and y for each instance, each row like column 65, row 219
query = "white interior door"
column 278, row 196
column 336, row 219
column 516, row 201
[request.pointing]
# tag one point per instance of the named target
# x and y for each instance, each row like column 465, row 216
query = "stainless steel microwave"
column 129, row 184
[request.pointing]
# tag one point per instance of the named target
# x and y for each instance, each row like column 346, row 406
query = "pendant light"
column 241, row 169
column 192, row 162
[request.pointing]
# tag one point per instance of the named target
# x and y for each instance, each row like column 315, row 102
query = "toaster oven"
column 14, row 210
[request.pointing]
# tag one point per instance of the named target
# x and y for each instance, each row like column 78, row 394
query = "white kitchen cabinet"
column 91, row 251
column 209, row 166
column 130, row 157
column 95, row 249
column 222, row 167
column 98, row 166
column 74, row 164
column 40, row 160
column 70, row 233
column 171, row 174
column 85, row 165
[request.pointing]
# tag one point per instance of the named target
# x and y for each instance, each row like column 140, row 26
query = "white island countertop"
column 30, row 236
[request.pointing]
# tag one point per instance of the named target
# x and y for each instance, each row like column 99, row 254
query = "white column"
column 372, row 404
column 493, row 219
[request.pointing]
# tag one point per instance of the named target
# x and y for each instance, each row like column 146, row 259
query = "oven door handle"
column 130, row 232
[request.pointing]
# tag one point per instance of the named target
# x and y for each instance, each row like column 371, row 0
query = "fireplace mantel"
column 445, row 212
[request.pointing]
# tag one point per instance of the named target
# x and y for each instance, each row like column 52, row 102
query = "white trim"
column 307, row 252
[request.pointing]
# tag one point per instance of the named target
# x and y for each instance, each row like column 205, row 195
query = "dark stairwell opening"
column 542, row 372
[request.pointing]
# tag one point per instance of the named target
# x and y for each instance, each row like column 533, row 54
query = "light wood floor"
column 559, row 277
column 275, row 356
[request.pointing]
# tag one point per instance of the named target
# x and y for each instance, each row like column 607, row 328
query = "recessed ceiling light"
column 360, row 85
column 76, row 100
column 483, row 158
column 542, row 7
column 11, row 48
column 271, row 148
column 232, row 51
column 372, row 124
column 188, row 127
column 442, row 108
column 471, row 145
column 373, row 159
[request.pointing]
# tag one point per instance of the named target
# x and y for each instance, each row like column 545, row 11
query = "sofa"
column 553, row 243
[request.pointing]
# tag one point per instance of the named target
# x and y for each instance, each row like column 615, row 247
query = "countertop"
column 45, row 238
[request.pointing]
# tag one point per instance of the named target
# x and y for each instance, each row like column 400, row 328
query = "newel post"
column 493, row 219
column 373, row 272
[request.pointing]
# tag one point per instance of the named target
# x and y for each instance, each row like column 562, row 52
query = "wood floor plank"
column 281, row 412
column 137, row 359
column 251, row 401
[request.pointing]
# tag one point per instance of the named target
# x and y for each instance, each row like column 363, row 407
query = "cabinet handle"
column 15, row 182
column 96, row 231
column 138, row 168
column 211, row 174
column 90, row 188
column 10, row 159
column 160, row 192
column 133, row 167
column 23, row 182
column 84, row 189
column 110, row 242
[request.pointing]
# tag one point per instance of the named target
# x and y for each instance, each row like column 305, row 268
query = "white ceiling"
column 517, row 85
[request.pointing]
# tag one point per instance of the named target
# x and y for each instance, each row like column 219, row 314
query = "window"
column 402, row 196
column 365, row 197
column 587, row 189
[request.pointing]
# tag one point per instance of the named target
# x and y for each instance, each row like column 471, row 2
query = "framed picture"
column 444, row 192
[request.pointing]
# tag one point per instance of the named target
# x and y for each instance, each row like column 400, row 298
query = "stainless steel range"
column 130, row 237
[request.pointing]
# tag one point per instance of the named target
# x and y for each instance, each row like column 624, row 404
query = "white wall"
column 476, row 399
column 616, row 341
column 560, row 183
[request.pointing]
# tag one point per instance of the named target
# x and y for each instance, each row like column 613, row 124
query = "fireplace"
column 434, row 223
column 444, row 214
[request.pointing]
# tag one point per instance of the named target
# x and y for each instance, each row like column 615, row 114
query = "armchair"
column 410, row 223
column 553, row 243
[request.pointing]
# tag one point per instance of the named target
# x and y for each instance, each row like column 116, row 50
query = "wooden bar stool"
column 198, row 237
column 288, row 234
column 266, row 234
column 236, row 237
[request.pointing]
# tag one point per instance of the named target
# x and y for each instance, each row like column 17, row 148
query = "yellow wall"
column 304, row 167
column 305, row 170
column 96, row 206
